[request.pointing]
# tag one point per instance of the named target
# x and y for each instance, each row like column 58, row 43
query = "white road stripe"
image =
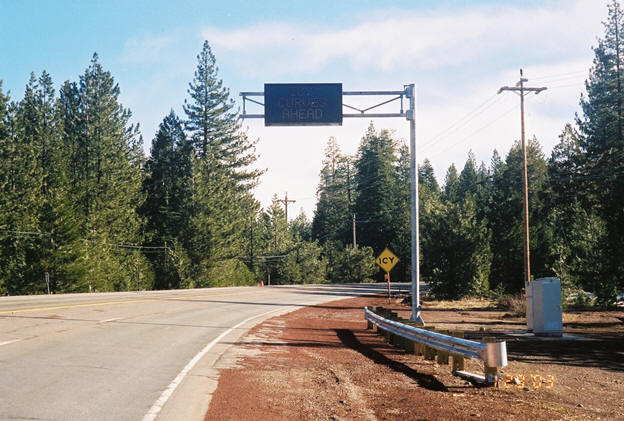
column 166, row 394
column 11, row 342
column 110, row 320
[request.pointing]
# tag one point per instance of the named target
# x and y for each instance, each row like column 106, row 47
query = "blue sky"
column 458, row 53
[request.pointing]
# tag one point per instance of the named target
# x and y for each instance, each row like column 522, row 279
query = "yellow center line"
column 103, row 303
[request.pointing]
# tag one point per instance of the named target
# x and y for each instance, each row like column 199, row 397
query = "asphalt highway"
column 133, row 355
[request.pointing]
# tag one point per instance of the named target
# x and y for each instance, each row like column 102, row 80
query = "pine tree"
column 450, row 191
column 505, row 218
column 458, row 252
column 167, row 187
column 62, row 249
column 602, row 144
column 429, row 208
column 468, row 179
column 374, row 181
column 220, row 219
column 576, row 233
column 455, row 240
column 106, row 182
column 483, row 191
column 5, row 188
column 222, row 180
column 565, row 169
column 332, row 217
column 426, row 178
column 401, row 215
column 212, row 123
column 303, row 263
column 275, row 242
column 23, row 269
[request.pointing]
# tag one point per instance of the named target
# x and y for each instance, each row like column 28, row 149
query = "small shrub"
column 580, row 299
column 514, row 304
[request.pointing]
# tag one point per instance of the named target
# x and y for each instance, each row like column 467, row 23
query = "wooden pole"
column 521, row 90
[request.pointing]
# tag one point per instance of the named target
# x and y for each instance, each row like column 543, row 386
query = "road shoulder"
column 321, row 362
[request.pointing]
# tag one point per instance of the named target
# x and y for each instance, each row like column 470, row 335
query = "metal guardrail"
column 493, row 354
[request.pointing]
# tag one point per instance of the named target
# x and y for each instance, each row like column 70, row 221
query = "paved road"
column 130, row 356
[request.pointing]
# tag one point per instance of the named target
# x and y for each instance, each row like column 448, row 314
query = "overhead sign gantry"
column 322, row 104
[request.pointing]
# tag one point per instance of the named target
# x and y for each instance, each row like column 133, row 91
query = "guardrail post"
column 392, row 338
column 429, row 352
column 410, row 346
column 383, row 313
column 386, row 315
column 490, row 372
column 443, row 356
column 369, row 324
column 458, row 360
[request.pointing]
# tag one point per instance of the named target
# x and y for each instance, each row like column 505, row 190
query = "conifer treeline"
column 471, row 227
column 81, row 202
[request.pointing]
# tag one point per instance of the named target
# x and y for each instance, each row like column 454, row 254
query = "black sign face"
column 303, row 104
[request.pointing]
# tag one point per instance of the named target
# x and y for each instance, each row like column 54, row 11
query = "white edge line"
column 110, row 320
column 166, row 394
column 11, row 342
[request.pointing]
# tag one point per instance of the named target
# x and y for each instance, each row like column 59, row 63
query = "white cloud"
column 425, row 41
column 149, row 48
column 457, row 57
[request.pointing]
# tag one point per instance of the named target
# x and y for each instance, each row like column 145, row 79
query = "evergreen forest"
column 83, row 209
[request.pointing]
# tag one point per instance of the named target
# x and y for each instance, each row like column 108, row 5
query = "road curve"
column 133, row 355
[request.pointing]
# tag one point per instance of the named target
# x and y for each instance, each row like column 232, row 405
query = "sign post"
column 387, row 260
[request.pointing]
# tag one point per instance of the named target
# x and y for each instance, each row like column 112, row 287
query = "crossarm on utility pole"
column 286, row 201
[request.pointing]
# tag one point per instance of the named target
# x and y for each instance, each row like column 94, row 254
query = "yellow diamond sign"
column 387, row 260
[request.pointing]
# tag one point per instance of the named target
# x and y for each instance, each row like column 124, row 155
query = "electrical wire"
column 123, row 246
column 488, row 103
column 547, row 78
column 464, row 138
column 27, row 233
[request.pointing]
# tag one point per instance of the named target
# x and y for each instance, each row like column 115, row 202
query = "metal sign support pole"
column 414, row 219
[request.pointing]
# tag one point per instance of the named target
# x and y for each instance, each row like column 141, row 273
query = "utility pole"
column 46, row 274
column 521, row 90
column 285, row 201
column 354, row 237
column 166, row 262
column 251, row 243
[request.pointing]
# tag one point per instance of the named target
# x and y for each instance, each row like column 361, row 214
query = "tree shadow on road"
column 424, row 380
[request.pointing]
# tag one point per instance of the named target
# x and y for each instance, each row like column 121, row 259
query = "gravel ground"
column 321, row 363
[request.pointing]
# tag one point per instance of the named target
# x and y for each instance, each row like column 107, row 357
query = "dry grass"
column 470, row 303
column 514, row 304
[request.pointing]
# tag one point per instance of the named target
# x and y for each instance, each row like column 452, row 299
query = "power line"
column 464, row 120
column 44, row 234
column 488, row 103
column 125, row 246
column 27, row 233
column 475, row 132
column 547, row 78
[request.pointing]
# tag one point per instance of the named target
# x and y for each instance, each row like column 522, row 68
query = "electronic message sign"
column 303, row 104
